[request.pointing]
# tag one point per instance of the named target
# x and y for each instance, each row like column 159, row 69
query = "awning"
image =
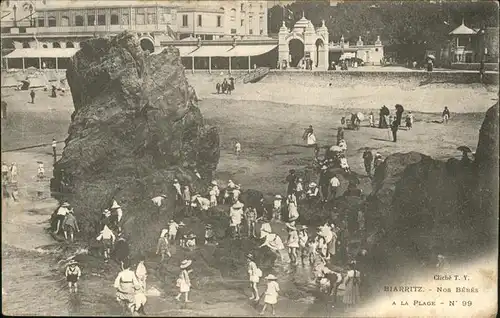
column 185, row 50
column 229, row 50
column 213, row 51
column 250, row 50
column 42, row 53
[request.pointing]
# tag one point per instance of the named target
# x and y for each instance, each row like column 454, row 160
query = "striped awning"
column 227, row 50
column 250, row 50
column 41, row 53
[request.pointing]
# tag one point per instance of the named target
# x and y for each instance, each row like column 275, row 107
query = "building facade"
column 305, row 42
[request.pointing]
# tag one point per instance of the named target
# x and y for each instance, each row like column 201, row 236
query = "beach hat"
column 171, row 221
column 191, row 235
column 213, row 182
column 115, row 205
column 303, row 227
column 291, row 226
column 378, row 155
column 312, row 184
column 105, row 211
column 72, row 262
column 238, row 205
column 440, row 256
column 208, row 226
column 250, row 256
column 324, row 167
column 175, row 180
column 230, row 181
column 278, row 196
column 185, row 263
column 271, row 277
column 65, row 204
column 163, row 232
column 300, row 179
column 182, row 224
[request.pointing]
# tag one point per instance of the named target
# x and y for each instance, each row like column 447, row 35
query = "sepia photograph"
column 250, row 158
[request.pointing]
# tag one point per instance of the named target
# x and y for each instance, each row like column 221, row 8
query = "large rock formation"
column 424, row 206
column 135, row 127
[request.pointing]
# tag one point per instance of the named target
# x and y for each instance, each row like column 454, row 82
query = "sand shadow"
column 303, row 146
column 380, row 139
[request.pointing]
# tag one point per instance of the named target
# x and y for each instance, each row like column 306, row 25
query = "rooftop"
column 462, row 29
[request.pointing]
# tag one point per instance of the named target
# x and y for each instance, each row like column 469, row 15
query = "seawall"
column 440, row 76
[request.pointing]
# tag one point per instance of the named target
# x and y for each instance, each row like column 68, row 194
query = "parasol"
column 430, row 56
column 335, row 148
column 464, row 149
column 360, row 116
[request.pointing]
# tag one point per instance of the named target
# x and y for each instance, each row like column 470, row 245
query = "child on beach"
column 73, row 274
column 303, row 237
column 181, row 233
column 172, row 231
column 162, row 248
column 237, row 148
column 141, row 273
column 183, row 282
column 209, row 235
column 271, row 293
column 191, row 241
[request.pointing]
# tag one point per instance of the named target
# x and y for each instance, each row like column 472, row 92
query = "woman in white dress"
column 309, row 136
column 293, row 213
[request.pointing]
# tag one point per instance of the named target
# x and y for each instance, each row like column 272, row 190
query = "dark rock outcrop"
column 424, row 206
column 135, row 127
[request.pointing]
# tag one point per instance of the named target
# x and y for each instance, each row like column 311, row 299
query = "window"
column 125, row 19
column 151, row 16
column 45, row 46
column 26, row 45
column 242, row 7
column 219, row 21
column 233, row 31
column 250, row 31
column 101, row 19
column 261, row 31
column 56, row 45
column 140, row 16
column 261, row 20
column 91, row 19
column 52, row 21
column 70, row 45
column 242, row 22
column 78, row 20
column 184, row 20
column 261, row 8
column 233, row 14
column 199, row 20
column 250, row 7
column 376, row 49
column 64, row 21
column 114, row 19
column 41, row 22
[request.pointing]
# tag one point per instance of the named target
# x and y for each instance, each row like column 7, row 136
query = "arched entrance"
column 296, row 49
column 147, row 45
column 320, row 53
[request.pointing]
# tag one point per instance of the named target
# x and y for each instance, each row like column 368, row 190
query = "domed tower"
column 283, row 50
column 321, row 47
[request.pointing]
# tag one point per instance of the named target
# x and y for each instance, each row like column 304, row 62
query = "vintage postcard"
column 246, row 158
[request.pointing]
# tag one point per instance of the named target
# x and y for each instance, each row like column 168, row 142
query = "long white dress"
column 311, row 139
column 293, row 212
